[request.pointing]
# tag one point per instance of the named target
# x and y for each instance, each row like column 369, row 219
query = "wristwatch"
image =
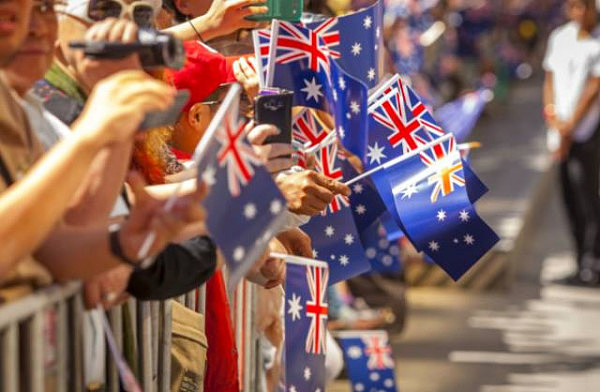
column 117, row 251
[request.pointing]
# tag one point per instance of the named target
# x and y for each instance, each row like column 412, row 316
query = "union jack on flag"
column 378, row 351
column 262, row 43
column 448, row 174
column 355, row 41
column 236, row 155
column 307, row 129
column 294, row 43
column 326, row 158
column 328, row 30
column 391, row 113
column 368, row 360
column 316, row 309
column 412, row 106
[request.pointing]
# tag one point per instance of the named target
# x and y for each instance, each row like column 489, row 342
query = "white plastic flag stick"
column 298, row 260
column 398, row 160
column 130, row 384
column 215, row 124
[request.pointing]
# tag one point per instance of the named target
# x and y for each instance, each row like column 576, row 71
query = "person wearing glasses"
column 181, row 266
column 572, row 111
column 35, row 192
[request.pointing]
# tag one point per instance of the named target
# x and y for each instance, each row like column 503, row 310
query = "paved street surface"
column 529, row 338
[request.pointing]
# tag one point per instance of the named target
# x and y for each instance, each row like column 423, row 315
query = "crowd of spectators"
column 81, row 188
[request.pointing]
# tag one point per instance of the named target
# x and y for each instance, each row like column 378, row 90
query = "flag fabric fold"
column 429, row 191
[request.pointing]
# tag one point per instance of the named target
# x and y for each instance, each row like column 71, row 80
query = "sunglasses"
column 141, row 12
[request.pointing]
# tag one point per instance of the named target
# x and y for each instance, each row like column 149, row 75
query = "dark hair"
column 170, row 6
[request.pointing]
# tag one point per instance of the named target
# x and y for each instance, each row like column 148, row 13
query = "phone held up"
column 274, row 106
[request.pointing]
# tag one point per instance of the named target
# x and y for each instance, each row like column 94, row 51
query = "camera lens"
column 143, row 15
column 102, row 9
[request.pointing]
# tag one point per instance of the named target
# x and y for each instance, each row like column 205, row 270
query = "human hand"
column 308, row 192
column 107, row 289
column 268, row 271
column 296, row 242
column 228, row 16
column 91, row 71
column 562, row 151
column 565, row 128
column 277, row 156
column 149, row 215
column 244, row 70
column 118, row 104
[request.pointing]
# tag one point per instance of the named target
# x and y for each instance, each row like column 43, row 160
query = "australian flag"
column 243, row 199
column 333, row 233
column 369, row 360
column 305, row 324
column 399, row 124
column 307, row 130
column 354, row 41
column 429, row 190
column 262, row 42
column 299, row 61
column 460, row 116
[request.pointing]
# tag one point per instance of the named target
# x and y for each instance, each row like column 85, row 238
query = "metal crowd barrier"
column 26, row 364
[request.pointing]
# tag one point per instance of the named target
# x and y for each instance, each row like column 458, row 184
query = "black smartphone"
column 275, row 108
column 167, row 117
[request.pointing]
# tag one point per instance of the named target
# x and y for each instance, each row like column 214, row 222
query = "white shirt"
column 572, row 62
column 50, row 130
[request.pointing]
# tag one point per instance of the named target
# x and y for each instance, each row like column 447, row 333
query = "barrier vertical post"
column 145, row 345
column 10, row 358
column 62, row 355
column 164, row 371
column 115, row 317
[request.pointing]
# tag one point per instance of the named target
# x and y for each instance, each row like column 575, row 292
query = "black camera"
column 155, row 49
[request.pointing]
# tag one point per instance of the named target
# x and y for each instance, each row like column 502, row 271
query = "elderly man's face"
column 34, row 57
column 14, row 23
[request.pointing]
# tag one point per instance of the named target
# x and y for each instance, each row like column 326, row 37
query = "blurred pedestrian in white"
column 572, row 111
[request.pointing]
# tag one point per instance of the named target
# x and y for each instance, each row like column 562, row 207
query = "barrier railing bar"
column 76, row 344
column 145, row 345
column 24, row 308
column 115, row 318
column 35, row 352
column 10, row 358
column 155, row 324
column 166, row 309
column 62, row 337
column 202, row 300
column 190, row 300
